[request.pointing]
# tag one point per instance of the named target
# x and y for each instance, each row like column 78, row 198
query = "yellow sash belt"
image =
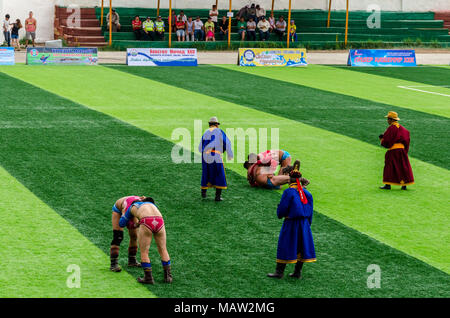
column 397, row 146
column 209, row 151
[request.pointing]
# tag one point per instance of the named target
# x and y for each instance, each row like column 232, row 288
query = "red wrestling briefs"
column 153, row 223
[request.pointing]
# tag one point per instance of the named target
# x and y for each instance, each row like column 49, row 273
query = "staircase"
column 445, row 16
column 87, row 33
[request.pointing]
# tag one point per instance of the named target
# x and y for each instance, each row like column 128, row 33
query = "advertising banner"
column 272, row 57
column 62, row 56
column 162, row 57
column 7, row 56
column 382, row 58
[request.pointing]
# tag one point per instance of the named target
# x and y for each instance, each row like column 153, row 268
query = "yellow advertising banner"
column 272, row 57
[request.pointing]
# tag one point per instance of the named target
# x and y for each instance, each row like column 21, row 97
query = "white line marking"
column 423, row 91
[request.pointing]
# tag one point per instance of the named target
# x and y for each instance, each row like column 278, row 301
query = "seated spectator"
column 251, row 30
column 137, row 27
column 213, row 14
column 159, row 28
column 242, row 28
column 183, row 16
column 181, row 26
column 210, row 35
column 280, row 28
column 198, row 29
column 190, row 30
column 209, row 23
column 115, row 21
column 260, row 12
column 252, row 12
column 293, row 31
column 149, row 29
column 263, row 27
column 243, row 13
column 223, row 28
column 272, row 22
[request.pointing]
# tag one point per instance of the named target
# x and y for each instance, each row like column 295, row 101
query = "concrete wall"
column 44, row 9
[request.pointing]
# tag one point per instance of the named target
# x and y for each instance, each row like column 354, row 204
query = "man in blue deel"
column 214, row 143
column 295, row 243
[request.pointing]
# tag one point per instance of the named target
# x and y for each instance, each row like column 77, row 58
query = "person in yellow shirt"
column 293, row 32
column 149, row 29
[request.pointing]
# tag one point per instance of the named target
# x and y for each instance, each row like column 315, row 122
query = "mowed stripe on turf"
column 38, row 246
column 79, row 160
column 345, row 171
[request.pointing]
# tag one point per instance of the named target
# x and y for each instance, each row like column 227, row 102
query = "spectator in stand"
column 293, row 31
column 15, row 34
column 280, row 28
column 30, row 28
column 272, row 22
column 251, row 30
column 260, row 12
column 243, row 13
column 264, row 27
column 181, row 27
column 242, row 28
column 223, row 28
column 190, row 30
column 213, row 14
column 210, row 35
column 149, row 29
column 252, row 12
column 137, row 28
column 6, row 30
column 115, row 21
column 199, row 34
column 208, row 24
column 159, row 28
column 183, row 16
column 174, row 21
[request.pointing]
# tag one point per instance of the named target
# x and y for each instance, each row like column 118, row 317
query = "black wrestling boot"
column 114, row 256
column 279, row 271
column 219, row 195
column 203, row 193
column 167, row 274
column 403, row 187
column 297, row 271
column 386, row 187
column 148, row 277
column 132, row 261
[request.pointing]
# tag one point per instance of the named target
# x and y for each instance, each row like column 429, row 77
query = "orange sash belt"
column 215, row 151
column 397, row 146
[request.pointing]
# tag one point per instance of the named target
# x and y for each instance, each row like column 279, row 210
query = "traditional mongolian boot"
column 279, row 271
column 203, row 193
column 132, row 261
column 219, row 195
column 167, row 274
column 298, row 270
column 386, row 187
column 114, row 255
column 148, row 276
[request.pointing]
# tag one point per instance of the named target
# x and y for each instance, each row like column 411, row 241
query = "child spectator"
column 263, row 27
column 251, row 30
column 223, row 28
column 242, row 28
column 190, row 30
column 210, row 35
column 30, row 28
column 137, row 27
column 293, row 32
column 181, row 26
column 159, row 28
column 6, row 30
column 280, row 28
column 15, row 34
column 198, row 29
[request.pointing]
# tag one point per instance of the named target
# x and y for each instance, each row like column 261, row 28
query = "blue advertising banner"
column 161, row 57
column 62, row 56
column 7, row 56
column 376, row 58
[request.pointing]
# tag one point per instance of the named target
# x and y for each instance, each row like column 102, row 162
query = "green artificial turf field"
column 74, row 139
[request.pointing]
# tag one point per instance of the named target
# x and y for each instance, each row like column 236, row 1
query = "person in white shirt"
column 190, row 30
column 213, row 14
column 7, row 30
column 264, row 27
column 183, row 17
column 260, row 12
column 280, row 28
column 199, row 34
column 272, row 22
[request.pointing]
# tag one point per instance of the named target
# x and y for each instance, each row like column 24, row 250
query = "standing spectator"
column 260, row 12
column 252, row 12
column 293, row 31
column 174, row 21
column 280, row 28
column 6, row 30
column 251, row 30
column 208, row 24
column 272, row 22
column 183, row 16
column 198, row 29
column 242, row 28
column 159, row 28
column 137, row 27
column 149, row 29
column 213, row 14
column 223, row 28
column 190, row 30
column 181, row 27
column 115, row 21
column 15, row 34
column 263, row 27
column 30, row 28
column 243, row 13
column 210, row 35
